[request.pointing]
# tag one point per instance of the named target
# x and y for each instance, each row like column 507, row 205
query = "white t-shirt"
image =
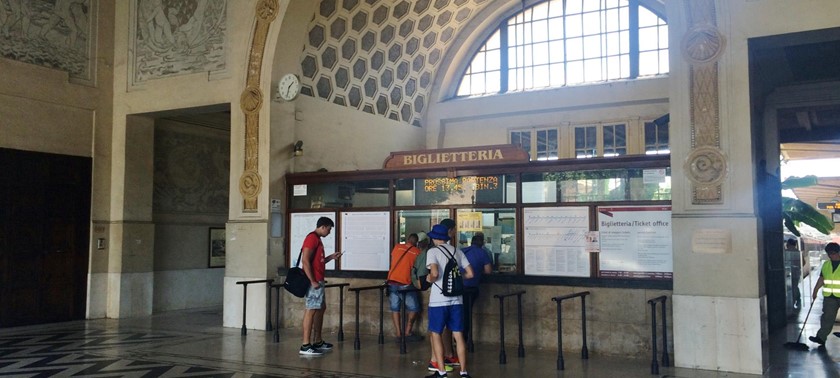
column 436, row 256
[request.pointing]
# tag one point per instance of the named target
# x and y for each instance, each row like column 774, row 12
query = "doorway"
column 795, row 109
column 44, row 233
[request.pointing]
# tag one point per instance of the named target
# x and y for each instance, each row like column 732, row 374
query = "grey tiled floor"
column 193, row 344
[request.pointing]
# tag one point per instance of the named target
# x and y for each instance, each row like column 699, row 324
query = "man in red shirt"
column 314, row 262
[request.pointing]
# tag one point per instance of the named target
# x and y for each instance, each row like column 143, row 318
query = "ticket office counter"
column 599, row 222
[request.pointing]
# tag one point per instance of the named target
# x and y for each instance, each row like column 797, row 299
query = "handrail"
column 357, row 343
column 403, row 316
column 521, row 349
column 584, row 351
column 340, row 307
column 245, row 300
column 654, row 364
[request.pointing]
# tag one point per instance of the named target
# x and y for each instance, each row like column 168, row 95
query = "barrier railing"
column 584, row 352
column 403, row 316
column 357, row 343
column 521, row 349
column 245, row 302
column 340, row 287
column 654, row 364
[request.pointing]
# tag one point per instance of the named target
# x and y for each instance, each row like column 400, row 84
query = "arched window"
column 566, row 42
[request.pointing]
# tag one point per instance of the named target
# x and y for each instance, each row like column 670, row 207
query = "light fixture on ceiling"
column 298, row 148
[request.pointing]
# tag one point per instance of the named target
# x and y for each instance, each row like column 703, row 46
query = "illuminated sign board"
column 459, row 190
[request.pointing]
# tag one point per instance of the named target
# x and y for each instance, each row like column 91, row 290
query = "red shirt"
column 319, row 262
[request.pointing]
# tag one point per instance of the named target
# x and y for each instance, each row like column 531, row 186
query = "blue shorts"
column 315, row 297
column 412, row 300
column 450, row 316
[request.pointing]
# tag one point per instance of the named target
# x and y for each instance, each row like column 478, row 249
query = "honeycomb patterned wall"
column 380, row 56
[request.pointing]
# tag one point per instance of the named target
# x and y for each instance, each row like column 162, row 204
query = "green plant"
column 796, row 212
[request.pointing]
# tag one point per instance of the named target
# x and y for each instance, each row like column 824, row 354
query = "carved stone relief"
column 702, row 46
column 251, row 100
column 191, row 171
column 57, row 34
column 177, row 37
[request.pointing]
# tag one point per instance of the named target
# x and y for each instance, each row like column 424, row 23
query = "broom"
column 797, row 345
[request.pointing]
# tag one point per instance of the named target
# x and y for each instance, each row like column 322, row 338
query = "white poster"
column 555, row 241
column 365, row 241
column 301, row 225
column 636, row 242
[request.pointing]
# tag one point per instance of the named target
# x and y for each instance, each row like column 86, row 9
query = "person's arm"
column 488, row 268
column 433, row 273
column 306, row 265
column 468, row 272
column 334, row 256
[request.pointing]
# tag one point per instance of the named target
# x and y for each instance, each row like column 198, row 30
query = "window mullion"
column 565, row 50
column 633, row 13
column 503, row 55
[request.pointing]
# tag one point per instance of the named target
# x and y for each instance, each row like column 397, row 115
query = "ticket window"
column 413, row 221
column 498, row 226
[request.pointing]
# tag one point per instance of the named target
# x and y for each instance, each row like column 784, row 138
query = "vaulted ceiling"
column 380, row 56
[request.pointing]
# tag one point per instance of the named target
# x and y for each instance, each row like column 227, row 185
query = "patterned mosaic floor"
column 193, row 344
column 100, row 353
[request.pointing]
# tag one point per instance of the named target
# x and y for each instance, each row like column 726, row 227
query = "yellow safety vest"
column 831, row 280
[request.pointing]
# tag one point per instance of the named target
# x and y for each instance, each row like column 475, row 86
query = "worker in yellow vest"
column 830, row 282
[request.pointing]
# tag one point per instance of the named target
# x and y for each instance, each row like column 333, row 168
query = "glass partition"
column 365, row 193
column 624, row 184
column 413, row 221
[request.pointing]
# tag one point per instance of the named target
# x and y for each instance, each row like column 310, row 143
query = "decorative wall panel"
column 192, row 166
column 177, row 37
column 58, row 34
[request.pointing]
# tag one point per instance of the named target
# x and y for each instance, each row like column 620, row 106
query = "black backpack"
column 453, row 283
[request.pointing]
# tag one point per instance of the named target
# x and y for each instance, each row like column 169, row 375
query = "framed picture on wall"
column 217, row 247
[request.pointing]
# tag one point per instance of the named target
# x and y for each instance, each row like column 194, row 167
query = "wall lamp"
column 298, row 149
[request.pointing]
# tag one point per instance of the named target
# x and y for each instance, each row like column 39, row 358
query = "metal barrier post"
column 357, row 344
column 340, row 287
column 403, row 317
column 521, row 349
column 277, row 287
column 584, row 350
column 382, row 314
column 666, row 360
column 502, row 354
column 245, row 300
column 268, row 326
column 654, row 364
column 468, row 302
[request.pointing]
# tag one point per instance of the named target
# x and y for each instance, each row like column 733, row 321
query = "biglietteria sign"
column 449, row 157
